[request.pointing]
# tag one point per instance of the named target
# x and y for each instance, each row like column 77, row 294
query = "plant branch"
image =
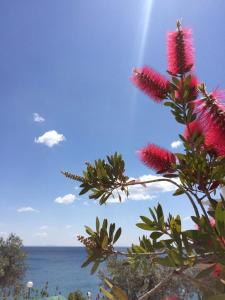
column 134, row 182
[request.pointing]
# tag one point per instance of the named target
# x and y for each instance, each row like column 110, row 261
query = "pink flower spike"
column 193, row 128
column 211, row 116
column 180, row 52
column 151, row 83
column 157, row 158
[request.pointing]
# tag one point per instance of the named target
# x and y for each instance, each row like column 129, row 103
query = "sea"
column 61, row 268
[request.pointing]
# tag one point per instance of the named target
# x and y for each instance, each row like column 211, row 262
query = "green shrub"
column 77, row 295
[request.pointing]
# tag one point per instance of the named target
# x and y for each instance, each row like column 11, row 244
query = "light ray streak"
column 143, row 33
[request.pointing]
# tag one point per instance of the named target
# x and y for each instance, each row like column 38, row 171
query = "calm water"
column 60, row 266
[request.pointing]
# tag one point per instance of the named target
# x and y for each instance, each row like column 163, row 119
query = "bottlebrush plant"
column 198, row 173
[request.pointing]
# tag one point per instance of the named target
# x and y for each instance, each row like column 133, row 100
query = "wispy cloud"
column 37, row 118
column 27, row 209
column 50, row 138
column 67, row 199
column 176, row 144
column 147, row 192
column 41, row 234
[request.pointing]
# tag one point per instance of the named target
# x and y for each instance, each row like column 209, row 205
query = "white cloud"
column 187, row 218
column 44, row 227
column 37, row 118
column 50, row 138
column 147, row 192
column 176, row 144
column 67, row 199
column 161, row 186
column 26, row 209
column 86, row 203
column 68, row 226
column 41, row 234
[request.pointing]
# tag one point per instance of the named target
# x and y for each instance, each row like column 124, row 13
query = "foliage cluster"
column 12, row 261
column 136, row 279
column 77, row 295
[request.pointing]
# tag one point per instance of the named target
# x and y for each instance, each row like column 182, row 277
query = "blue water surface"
column 61, row 267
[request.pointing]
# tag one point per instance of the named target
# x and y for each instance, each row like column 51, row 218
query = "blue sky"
column 70, row 62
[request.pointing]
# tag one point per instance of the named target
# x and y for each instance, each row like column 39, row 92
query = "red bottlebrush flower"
column 217, row 271
column 151, row 82
column 215, row 138
column 192, row 128
column 180, row 51
column 211, row 116
column 192, row 91
column 157, row 158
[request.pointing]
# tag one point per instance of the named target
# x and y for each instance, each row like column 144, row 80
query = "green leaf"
column 220, row 219
column 107, row 294
column 119, row 293
column 156, row 234
column 170, row 175
column 146, row 220
column 160, row 216
column 105, row 242
column 84, row 190
column 180, row 156
column 145, row 226
column 178, row 192
column 165, row 261
column 159, row 211
column 96, row 194
column 117, row 235
column 95, row 267
column 110, row 285
column 187, row 246
column 88, row 261
column 170, row 104
column 89, row 231
column 111, row 231
column 175, row 257
column 104, row 198
column 97, row 224
column 152, row 214
column 138, row 249
column 105, row 224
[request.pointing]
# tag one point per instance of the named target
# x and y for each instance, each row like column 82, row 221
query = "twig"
column 134, row 182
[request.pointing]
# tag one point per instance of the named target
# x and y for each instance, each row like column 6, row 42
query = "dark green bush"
column 77, row 295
